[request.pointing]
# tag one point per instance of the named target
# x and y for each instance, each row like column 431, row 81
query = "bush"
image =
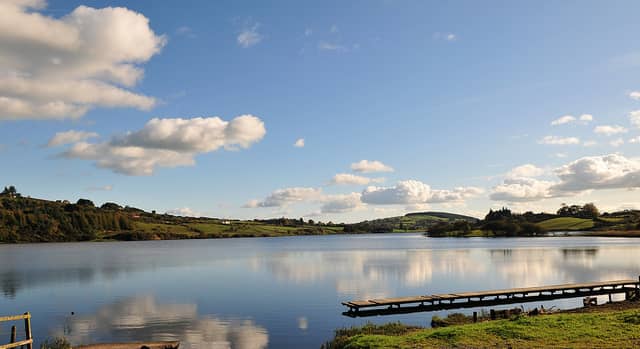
column 56, row 343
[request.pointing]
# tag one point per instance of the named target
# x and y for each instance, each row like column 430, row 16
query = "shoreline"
column 610, row 325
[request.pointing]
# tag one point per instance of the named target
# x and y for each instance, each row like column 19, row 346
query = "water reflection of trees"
column 140, row 319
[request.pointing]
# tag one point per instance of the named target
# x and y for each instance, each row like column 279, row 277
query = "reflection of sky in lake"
column 252, row 293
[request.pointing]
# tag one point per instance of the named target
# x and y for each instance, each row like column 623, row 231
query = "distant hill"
column 411, row 222
column 445, row 215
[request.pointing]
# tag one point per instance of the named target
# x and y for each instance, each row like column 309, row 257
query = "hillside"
column 25, row 219
column 411, row 222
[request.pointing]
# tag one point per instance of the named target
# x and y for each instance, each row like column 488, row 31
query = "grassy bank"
column 604, row 328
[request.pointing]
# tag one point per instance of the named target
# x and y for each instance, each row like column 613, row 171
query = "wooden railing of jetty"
column 435, row 302
column 28, row 341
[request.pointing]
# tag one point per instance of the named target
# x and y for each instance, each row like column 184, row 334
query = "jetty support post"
column 13, row 335
column 475, row 316
column 27, row 329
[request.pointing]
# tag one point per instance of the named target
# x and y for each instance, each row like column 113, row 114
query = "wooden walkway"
column 403, row 305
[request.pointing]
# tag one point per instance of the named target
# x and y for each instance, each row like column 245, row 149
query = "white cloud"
column 634, row 118
column 445, row 36
column 521, row 189
column 635, row 95
column 612, row 171
column 415, row 192
column 634, row 140
column 57, row 68
column 609, row 130
column 299, row 143
column 570, row 119
column 249, row 36
column 586, row 118
column 184, row 212
column 341, row 203
column 555, row 140
column 590, row 143
column 566, row 119
column 68, row 137
column 560, row 155
column 366, row 166
column 526, row 170
column 617, row 142
column 328, row 46
column 351, row 179
column 286, row 196
column 169, row 143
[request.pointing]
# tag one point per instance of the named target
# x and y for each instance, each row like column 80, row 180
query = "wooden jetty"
column 435, row 302
column 146, row 345
column 13, row 342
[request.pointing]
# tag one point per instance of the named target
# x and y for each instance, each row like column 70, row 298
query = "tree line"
column 33, row 220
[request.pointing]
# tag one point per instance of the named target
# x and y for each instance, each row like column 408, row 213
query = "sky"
column 327, row 110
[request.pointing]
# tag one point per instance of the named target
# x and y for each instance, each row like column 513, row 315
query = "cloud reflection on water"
column 378, row 273
column 141, row 319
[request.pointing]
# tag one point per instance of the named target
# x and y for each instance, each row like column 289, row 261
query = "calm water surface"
column 274, row 292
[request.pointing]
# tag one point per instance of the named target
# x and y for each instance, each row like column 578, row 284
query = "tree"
column 111, row 206
column 85, row 202
column 590, row 211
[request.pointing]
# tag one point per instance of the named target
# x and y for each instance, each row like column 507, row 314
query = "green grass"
column 566, row 223
column 612, row 219
column 615, row 329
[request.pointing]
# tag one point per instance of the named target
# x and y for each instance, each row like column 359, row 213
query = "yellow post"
column 27, row 329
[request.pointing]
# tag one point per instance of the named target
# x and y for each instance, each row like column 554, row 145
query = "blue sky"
column 450, row 96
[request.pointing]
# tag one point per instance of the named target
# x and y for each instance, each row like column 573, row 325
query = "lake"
column 274, row 292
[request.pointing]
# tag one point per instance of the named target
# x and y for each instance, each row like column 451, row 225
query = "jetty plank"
column 136, row 345
column 17, row 344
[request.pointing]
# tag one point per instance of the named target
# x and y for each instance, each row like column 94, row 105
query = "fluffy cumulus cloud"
column 169, row 143
column 415, row 192
column 555, row 140
column 57, row 68
column 570, row 119
column 299, row 143
column 613, row 171
column 609, row 130
column 586, row 118
column 566, row 119
column 367, row 166
column 286, row 196
column 351, row 179
column 635, row 95
column 517, row 189
column 526, row 170
column 68, row 137
column 341, row 203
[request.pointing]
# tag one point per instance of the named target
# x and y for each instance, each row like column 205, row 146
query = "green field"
column 566, row 223
column 614, row 329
